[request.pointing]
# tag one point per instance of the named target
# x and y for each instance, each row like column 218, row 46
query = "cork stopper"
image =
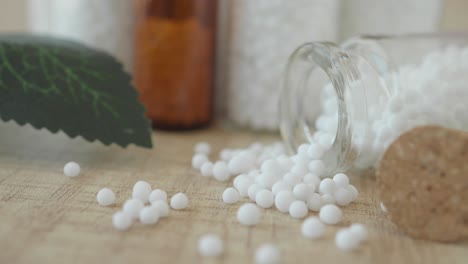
column 422, row 180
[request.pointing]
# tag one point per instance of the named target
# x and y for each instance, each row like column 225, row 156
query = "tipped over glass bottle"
column 355, row 99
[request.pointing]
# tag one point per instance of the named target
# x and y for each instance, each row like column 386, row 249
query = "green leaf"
column 62, row 85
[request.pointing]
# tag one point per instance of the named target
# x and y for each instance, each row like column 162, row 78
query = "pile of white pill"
column 438, row 80
column 269, row 178
column 146, row 205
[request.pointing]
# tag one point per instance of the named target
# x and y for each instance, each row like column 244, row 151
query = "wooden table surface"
column 48, row 218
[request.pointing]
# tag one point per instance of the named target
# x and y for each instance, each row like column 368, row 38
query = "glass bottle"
column 174, row 61
column 364, row 93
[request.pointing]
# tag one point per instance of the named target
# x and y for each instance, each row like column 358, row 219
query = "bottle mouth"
column 311, row 68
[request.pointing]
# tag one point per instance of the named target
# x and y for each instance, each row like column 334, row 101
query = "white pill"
column 353, row 191
column 121, row 220
column 202, row 148
column 230, row 196
column 382, row 206
column 240, row 164
column 179, row 201
column 198, row 160
column 327, row 199
column 225, row 154
column 292, row 178
column 346, row 240
column 314, row 202
column 302, row 149
column 142, row 191
column 298, row 209
column 312, row 228
column 241, row 178
column 210, row 245
column 220, row 171
column 249, row 214
column 301, row 191
column 105, row 197
column 271, row 166
column 327, row 186
column 341, row 180
column 280, row 186
column 360, row 231
column 268, row 254
column 157, row 195
column 71, row 169
column 133, row 207
column 267, row 179
column 315, row 151
column 330, row 214
column 162, row 207
column 317, row 167
column 343, row 196
column 149, row 215
column 243, row 187
column 310, row 178
column 265, row 198
column 283, row 200
column 253, row 190
column 207, row 169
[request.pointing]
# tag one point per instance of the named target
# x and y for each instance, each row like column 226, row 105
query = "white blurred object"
column 390, row 17
column 104, row 24
column 261, row 36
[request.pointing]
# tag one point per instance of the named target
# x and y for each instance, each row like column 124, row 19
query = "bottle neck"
column 353, row 81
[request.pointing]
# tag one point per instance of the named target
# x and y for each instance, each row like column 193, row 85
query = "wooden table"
column 48, row 218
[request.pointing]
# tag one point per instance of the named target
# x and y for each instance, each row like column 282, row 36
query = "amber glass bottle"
column 174, row 61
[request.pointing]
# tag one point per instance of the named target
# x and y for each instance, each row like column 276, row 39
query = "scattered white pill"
column 121, row 220
column 298, row 209
column 312, row 228
column 315, row 151
column 207, row 169
column 310, row 178
column 341, row 180
column 317, row 167
column 353, row 191
column 243, row 187
column 301, row 191
column 142, row 191
column 330, row 214
column 202, row 148
column 210, row 245
column 133, row 207
column 162, row 207
column 343, row 196
column 157, row 195
column 283, row 200
column 198, row 160
column 105, row 197
column 230, row 196
column 327, row 199
column 249, row 214
column 265, row 198
column 280, row 186
column 179, row 201
column 327, row 186
column 382, row 206
column 314, row 202
column 71, row 169
column 253, row 190
column 149, row 215
column 360, row 231
column 268, row 254
column 346, row 240
column 220, row 171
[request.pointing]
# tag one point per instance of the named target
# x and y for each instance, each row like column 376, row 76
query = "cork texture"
column 422, row 180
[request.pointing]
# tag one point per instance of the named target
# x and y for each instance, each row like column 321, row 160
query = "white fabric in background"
column 104, row 24
column 262, row 35
column 389, row 17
